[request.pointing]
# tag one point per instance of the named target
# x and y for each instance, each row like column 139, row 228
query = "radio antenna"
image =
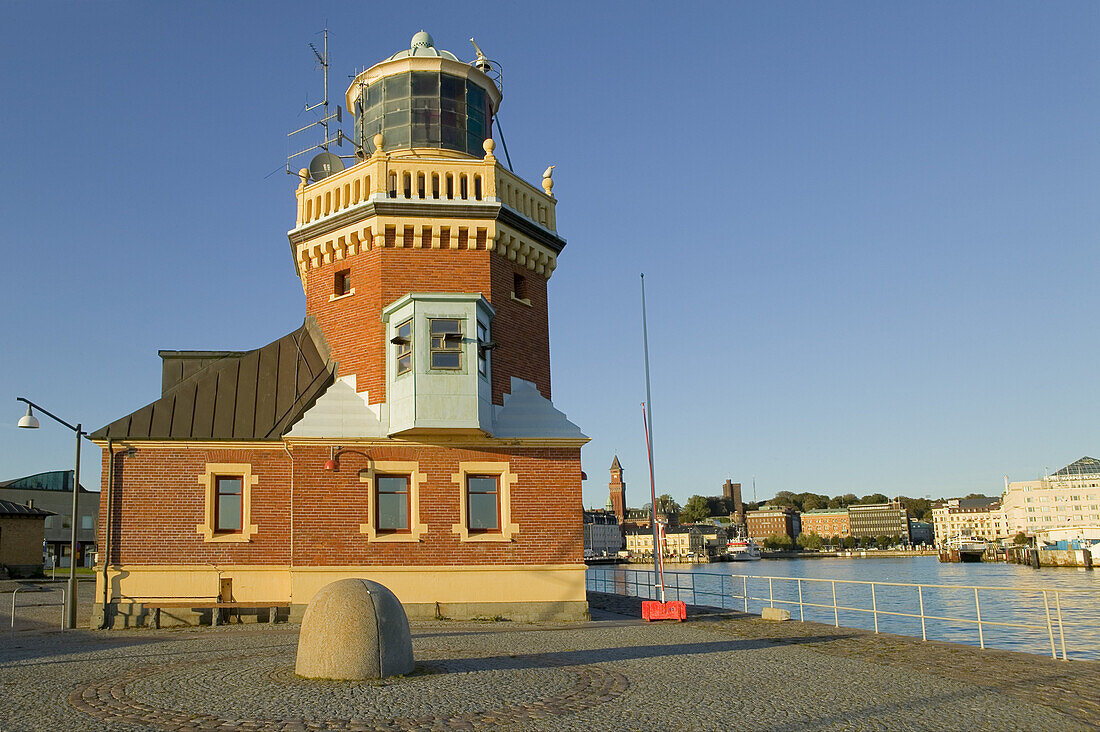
column 326, row 138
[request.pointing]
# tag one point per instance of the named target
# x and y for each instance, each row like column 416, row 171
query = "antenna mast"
column 326, row 139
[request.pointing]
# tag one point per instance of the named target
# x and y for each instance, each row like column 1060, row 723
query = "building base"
column 527, row 593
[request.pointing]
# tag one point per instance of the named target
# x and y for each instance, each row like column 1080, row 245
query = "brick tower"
column 405, row 432
column 618, row 490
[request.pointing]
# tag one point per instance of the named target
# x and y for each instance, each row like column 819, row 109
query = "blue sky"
column 868, row 229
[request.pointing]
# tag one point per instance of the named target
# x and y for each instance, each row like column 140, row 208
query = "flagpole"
column 647, row 420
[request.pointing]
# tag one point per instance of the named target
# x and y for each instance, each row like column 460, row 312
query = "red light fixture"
column 332, row 465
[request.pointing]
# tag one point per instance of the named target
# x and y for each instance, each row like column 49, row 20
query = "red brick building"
column 404, row 432
column 826, row 522
column 771, row 521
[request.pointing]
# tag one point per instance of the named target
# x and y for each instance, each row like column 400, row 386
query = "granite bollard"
column 354, row 629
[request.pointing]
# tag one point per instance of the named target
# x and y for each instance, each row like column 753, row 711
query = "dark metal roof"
column 978, row 502
column 52, row 480
column 1084, row 466
column 10, row 508
column 233, row 395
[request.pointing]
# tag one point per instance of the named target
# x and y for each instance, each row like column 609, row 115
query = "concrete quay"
column 718, row 671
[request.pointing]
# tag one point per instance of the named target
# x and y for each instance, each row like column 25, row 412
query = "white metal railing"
column 36, row 588
column 723, row 590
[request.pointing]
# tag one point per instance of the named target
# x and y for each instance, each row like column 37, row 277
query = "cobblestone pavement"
column 715, row 672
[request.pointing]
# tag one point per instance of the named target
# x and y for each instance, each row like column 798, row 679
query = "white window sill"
column 334, row 297
column 522, row 300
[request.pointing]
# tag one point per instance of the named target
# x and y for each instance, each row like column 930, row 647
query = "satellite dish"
column 323, row 165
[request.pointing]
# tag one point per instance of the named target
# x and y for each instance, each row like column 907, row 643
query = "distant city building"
column 965, row 517
column 707, row 539
column 602, row 534
column 878, row 519
column 679, row 542
column 617, row 500
column 732, row 493
column 21, row 534
column 827, row 522
column 52, row 491
column 771, row 521
column 1068, row 498
column 921, row 532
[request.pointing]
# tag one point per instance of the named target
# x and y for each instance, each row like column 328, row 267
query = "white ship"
column 742, row 550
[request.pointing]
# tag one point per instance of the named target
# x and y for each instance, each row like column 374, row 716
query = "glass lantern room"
column 424, row 109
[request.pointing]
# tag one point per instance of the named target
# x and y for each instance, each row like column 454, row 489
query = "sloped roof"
column 527, row 413
column 615, row 464
column 51, row 480
column 1085, row 466
column 242, row 395
column 341, row 412
column 10, row 508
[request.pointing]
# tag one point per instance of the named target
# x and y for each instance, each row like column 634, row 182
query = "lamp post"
column 29, row 421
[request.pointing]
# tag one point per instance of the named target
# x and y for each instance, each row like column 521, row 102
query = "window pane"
column 393, row 510
column 479, row 484
column 446, row 360
column 229, row 485
column 425, row 83
column 483, row 510
column 404, row 364
column 373, row 96
column 445, row 325
column 392, row 484
column 397, row 86
column 229, row 513
column 475, row 96
column 452, row 87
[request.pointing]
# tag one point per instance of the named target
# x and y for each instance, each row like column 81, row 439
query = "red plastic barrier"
column 671, row 610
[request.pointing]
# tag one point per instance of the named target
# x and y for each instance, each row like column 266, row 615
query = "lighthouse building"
column 405, row 431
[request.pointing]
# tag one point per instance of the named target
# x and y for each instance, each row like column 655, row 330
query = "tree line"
column 700, row 508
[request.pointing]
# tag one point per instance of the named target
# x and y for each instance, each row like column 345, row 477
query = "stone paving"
column 715, row 672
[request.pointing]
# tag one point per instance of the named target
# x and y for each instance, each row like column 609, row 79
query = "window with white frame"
column 446, row 344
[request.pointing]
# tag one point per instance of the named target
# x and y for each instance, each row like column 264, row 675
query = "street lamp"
column 29, row 421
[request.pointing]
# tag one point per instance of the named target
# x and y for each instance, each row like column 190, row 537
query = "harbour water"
column 1075, row 593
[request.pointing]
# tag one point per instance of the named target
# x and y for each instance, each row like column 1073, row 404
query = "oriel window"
column 446, row 350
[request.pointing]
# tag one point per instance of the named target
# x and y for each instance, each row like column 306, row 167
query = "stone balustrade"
column 386, row 177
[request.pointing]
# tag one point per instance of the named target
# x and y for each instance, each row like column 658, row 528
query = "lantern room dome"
column 422, row 44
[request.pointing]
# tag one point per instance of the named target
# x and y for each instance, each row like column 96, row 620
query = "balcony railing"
column 419, row 179
column 1004, row 617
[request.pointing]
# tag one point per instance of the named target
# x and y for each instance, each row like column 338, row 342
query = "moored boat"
column 742, row 550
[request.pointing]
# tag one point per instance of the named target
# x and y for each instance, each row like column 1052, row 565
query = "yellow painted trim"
column 191, row 445
column 206, row 480
column 120, row 568
column 506, row 478
column 410, row 468
column 131, row 584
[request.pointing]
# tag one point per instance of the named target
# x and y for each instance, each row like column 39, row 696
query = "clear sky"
column 869, row 229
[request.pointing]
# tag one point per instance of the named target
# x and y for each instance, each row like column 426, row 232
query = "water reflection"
column 951, row 612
